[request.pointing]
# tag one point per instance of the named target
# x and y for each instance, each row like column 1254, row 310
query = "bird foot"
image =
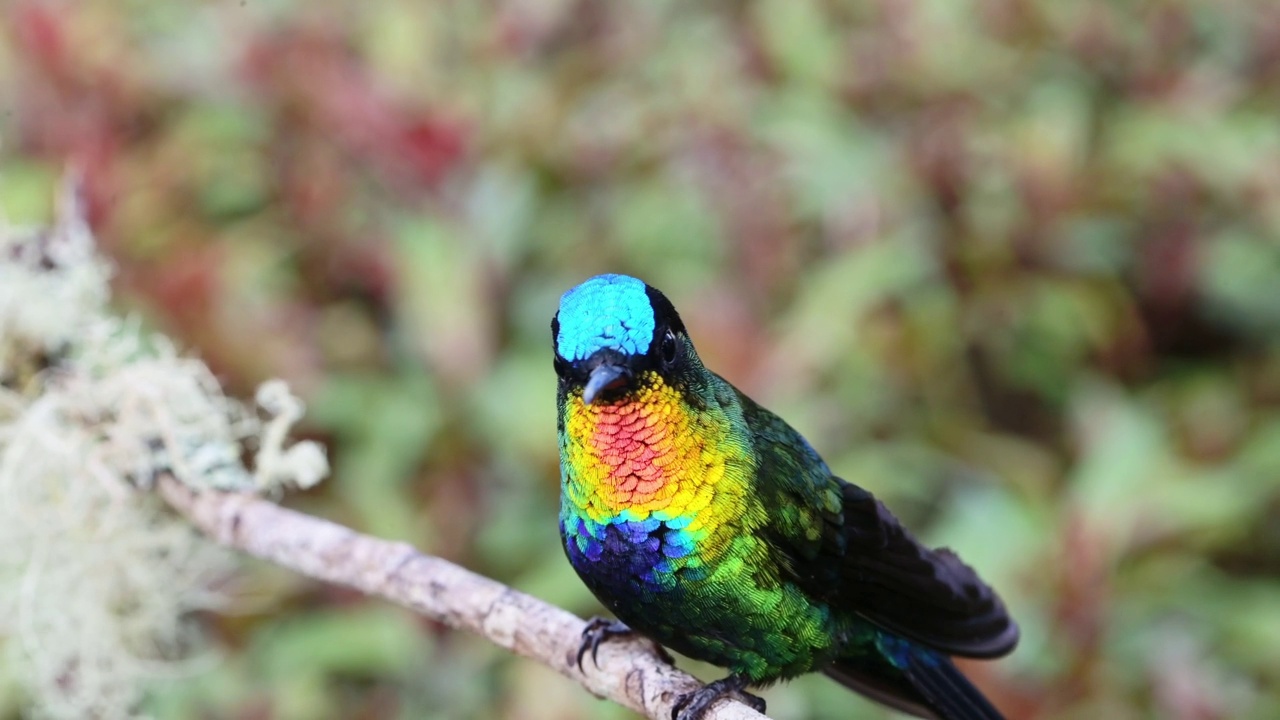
column 692, row 706
column 598, row 630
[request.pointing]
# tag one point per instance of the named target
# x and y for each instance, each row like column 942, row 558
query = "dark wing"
column 841, row 545
column 920, row 593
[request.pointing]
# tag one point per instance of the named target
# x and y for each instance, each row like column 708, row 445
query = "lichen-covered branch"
column 97, row 579
column 630, row 672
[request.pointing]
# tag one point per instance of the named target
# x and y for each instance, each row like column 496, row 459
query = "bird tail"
column 926, row 685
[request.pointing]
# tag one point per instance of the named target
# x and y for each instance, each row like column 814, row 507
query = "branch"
column 630, row 671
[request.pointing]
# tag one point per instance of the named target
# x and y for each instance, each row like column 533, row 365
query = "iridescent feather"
column 707, row 523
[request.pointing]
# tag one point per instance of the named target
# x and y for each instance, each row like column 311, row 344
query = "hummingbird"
column 707, row 524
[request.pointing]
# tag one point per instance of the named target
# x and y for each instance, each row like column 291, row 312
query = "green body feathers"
column 705, row 522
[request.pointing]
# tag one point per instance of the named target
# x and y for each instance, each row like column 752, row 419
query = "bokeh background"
column 1013, row 265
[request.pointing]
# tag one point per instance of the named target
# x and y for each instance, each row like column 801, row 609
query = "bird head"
column 613, row 334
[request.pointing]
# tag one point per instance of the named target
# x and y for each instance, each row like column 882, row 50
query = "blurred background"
column 1012, row 265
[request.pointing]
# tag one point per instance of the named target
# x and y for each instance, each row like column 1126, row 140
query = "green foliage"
column 1009, row 264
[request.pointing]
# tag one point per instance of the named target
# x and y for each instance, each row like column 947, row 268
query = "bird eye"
column 669, row 348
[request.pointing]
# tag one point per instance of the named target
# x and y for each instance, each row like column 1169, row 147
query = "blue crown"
column 607, row 311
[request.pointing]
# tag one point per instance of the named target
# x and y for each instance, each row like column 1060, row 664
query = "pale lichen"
column 277, row 463
column 97, row 579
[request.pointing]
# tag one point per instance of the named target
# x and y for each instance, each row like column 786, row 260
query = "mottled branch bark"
column 630, row 671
